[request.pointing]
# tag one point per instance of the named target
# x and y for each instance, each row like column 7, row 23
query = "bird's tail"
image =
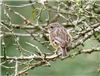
column 64, row 52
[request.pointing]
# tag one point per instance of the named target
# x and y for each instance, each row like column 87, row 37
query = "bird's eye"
column 51, row 27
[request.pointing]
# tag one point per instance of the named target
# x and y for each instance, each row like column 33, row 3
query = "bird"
column 59, row 37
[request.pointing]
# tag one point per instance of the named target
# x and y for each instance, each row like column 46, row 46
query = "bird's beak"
column 46, row 28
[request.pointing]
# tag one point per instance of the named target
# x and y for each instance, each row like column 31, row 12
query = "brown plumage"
column 59, row 37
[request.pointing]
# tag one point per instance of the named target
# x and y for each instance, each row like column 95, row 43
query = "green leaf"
column 77, row 1
column 33, row 13
column 93, row 0
column 69, row 1
column 80, row 10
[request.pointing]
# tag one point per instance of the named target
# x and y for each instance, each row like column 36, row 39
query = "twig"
column 35, row 47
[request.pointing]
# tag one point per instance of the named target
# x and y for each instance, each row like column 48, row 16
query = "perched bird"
column 59, row 37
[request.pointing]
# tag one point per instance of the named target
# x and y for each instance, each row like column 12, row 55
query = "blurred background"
column 80, row 65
